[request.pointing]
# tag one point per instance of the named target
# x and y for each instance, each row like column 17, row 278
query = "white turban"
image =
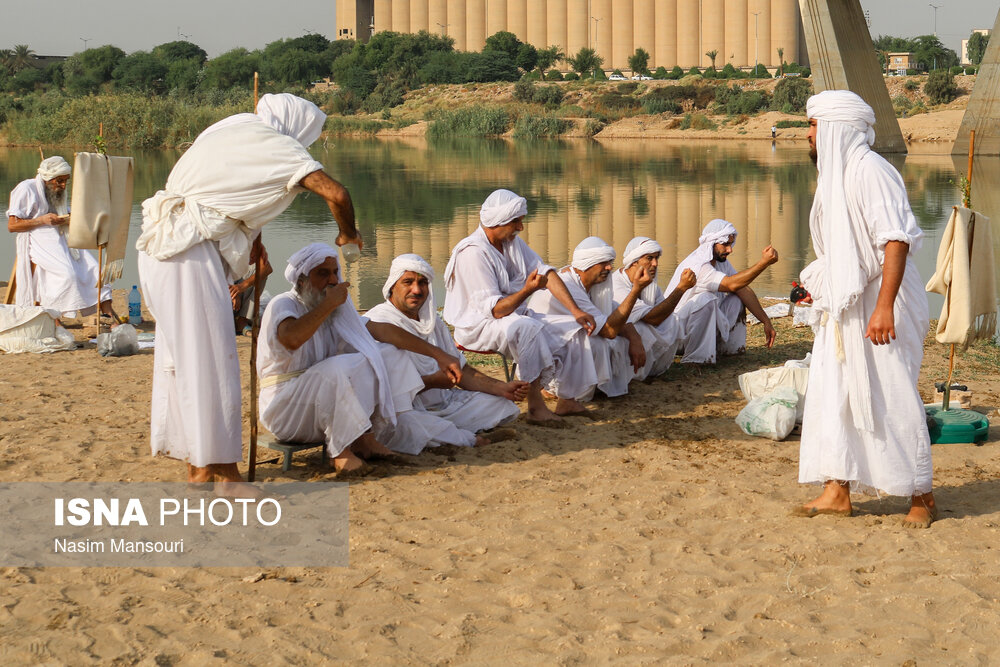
column 292, row 116
column 53, row 167
column 638, row 248
column 843, row 107
column 307, row 259
column 501, row 207
column 590, row 252
column 417, row 264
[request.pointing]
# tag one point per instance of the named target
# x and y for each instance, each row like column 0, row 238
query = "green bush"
column 550, row 96
column 710, row 73
column 940, row 87
column 971, row 70
column 338, row 125
column 694, row 70
column 524, row 90
column 911, row 85
column 571, row 76
column 912, row 72
column 592, row 127
column 533, row 127
column 730, row 72
column 653, row 106
column 901, row 102
column 792, row 94
column 957, row 69
column 697, row 121
column 661, row 73
column 676, row 73
column 782, row 124
column 553, row 75
column 627, row 87
column 618, row 102
column 735, row 101
column 617, row 72
column 487, row 121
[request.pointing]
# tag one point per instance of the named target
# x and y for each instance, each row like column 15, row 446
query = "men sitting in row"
column 713, row 314
column 49, row 272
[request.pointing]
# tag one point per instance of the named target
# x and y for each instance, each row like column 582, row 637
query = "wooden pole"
column 254, row 331
column 256, row 79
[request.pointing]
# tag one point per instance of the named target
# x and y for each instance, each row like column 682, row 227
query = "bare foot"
column 922, row 513
column 547, row 394
column 835, row 499
column 346, row 461
column 368, row 447
column 570, row 406
column 480, row 441
column 229, row 483
column 497, row 435
column 541, row 415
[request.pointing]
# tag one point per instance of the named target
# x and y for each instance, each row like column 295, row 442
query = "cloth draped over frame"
column 102, row 206
column 345, row 320
column 965, row 276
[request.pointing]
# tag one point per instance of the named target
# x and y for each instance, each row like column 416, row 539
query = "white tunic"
column 709, row 319
column 335, row 399
column 469, row 411
column 63, row 279
column 660, row 341
column 895, row 457
column 477, row 277
column 606, row 364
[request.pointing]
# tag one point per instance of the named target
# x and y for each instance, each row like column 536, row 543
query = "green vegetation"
column 928, row 50
column 782, row 124
column 486, row 121
column 976, row 47
column 940, row 87
column 697, row 121
column 534, row 127
column 791, row 95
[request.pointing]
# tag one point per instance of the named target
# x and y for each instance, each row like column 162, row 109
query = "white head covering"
column 307, row 259
column 411, row 262
column 716, row 231
column 590, row 252
column 501, row 207
column 844, row 124
column 636, row 249
column 292, row 116
column 53, row 167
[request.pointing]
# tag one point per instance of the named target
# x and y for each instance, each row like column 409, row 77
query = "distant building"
column 674, row 32
column 965, row 45
column 898, row 63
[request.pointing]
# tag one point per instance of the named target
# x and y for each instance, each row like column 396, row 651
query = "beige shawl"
column 101, row 208
column 965, row 276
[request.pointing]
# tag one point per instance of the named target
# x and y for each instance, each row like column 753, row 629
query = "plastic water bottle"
column 134, row 306
column 350, row 251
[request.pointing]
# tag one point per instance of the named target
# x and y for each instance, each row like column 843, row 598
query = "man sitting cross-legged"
column 478, row 402
column 324, row 376
column 489, row 278
column 614, row 344
column 653, row 315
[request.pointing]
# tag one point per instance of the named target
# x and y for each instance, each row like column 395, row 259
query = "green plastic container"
column 956, row 425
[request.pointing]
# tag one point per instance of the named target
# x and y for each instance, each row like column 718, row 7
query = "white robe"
column 609, row 368
column 63, row 279
column 195, row 235
column 469, row 411
column 895, row 457
column 335, row 399
column 660, row 341
column 709, row 319
column 476, row 278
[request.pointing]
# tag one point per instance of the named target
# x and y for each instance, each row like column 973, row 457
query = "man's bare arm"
column 882, row 325
column 16, row 224
column 339, row 200
column 512, row 302
column 404, row 340
column 665, row 308
column 740, row 280
column 562, row 295
column 752, row 303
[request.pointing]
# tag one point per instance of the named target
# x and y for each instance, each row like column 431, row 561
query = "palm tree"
column 781, row 60
column 712, row 54
column 7, row 60
column 23, row 57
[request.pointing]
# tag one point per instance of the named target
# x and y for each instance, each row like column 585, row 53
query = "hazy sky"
column 58, row 27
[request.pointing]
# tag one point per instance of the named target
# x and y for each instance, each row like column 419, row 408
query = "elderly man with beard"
column 198, row 234
column 615, row 347
column 324, row 376
column 64, row 278
column 489, row 277
column 713, row 313
column 479, row 402
column 864, row 426
column 653, row 315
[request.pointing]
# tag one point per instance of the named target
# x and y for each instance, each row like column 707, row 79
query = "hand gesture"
column 770, row 335
column 881, row 327
column 535, row 282
column 586, row 320
column 344, row 238
column 636, row 354
column 769, row 256
column 516, row 390
column 642, row 279
column 449, row 366
column 235, row 296
column 51, row 219
column 335, row 295
column 688, row 280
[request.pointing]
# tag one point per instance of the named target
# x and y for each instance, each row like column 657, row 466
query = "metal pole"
column 756, row 43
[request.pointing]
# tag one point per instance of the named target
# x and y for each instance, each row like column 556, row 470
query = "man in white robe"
column 198, row 234
column 653, row 314
column 864, row 426
column 479, row 402
column 489, row 277
column 614, row 344
column 713, row 313
column 64, row 278
column 324, row 376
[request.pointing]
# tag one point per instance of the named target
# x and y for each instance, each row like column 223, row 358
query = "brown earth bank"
column 656, row 533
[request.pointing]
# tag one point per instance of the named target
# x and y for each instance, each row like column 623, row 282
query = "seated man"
column 64, row 278
column 489, row 277
column 713, row 314
column 324, row 377
column 653, row 315
column 479, row 402
column 616, row 357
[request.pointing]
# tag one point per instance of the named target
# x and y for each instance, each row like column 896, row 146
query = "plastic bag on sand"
column 121, row 342
column 771, row 416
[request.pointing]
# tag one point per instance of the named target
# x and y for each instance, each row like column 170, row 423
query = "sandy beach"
column 657, row 533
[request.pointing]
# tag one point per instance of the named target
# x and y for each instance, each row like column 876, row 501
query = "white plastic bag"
column 766, row 381
column 121, row 342
column 771, row 416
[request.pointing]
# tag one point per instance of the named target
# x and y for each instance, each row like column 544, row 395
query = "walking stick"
column 254, row 329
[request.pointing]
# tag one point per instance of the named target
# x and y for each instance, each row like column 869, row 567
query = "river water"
column 412, row 196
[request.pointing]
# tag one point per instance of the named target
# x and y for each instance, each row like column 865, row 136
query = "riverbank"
column 656, row 532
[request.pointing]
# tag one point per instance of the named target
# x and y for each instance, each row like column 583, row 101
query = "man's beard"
column 56, row 201
column 813, row 155
column 309, row 295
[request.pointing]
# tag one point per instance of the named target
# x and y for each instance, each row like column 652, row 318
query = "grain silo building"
column 674, row 32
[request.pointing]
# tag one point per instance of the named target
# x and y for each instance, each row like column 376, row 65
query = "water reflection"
column 411, row 196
